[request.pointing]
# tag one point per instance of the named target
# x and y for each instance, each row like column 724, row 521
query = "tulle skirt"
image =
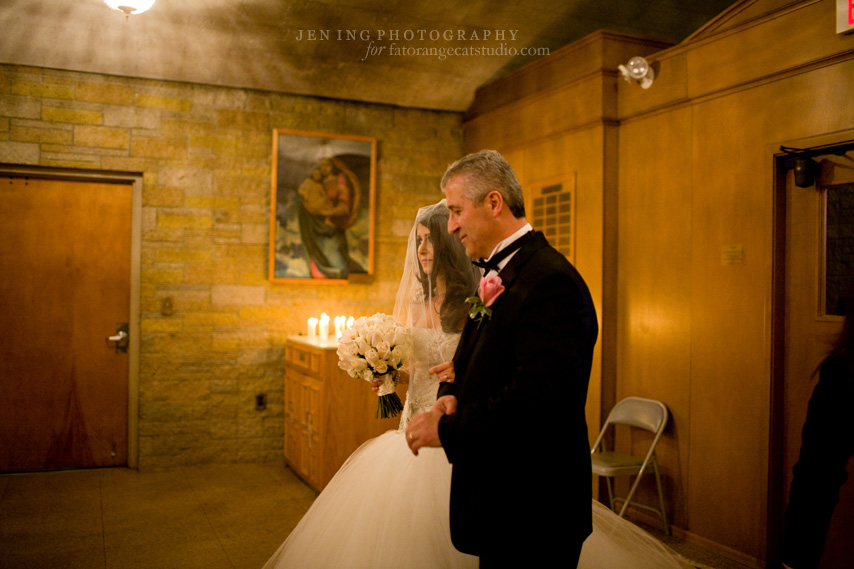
column 617, row 543
column 387, row 508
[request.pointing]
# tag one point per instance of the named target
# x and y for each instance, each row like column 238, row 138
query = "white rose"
column 347, row 349
column 387, row 326
column 400, row 353
column 352, row 364
column 358, row 364
column 393, row 358
column 346, row 367
column 382, row 349
column 372, row 357
column 380, row 368
column 373, row 336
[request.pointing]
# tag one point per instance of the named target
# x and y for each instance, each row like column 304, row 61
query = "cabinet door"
column 314, row 435
column 303, row 426
column 292, row 429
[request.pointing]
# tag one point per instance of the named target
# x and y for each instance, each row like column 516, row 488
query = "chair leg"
column 631, row 494
column 609, row 484
column 661, row 498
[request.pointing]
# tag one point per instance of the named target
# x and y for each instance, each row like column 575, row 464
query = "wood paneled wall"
column 668, row 178
column 557, row 118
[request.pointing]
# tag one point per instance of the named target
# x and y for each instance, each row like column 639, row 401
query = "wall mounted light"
column 800, row 160
column 638, row 70
column 130, row 6
column 806, row 170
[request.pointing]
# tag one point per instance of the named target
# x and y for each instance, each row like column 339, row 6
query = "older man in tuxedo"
column 512, row 422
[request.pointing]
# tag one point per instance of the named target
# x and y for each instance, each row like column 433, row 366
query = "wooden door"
column 810, row 327
column 65, row 258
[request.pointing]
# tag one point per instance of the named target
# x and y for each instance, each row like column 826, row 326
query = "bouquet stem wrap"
column 388, row 402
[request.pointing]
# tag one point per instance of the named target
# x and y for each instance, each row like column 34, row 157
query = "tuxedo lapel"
column 468, row 339
column 508, row 274
column 472, row 331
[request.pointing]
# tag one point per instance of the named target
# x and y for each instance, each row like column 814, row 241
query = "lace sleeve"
column 429, row 348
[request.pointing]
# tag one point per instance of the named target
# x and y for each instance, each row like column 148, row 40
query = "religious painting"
column 322, row 207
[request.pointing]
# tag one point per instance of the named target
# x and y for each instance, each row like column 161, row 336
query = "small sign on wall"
column 732, row 255
column 844, row 16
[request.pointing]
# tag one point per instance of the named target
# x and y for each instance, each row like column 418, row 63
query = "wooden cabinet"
column 328, row 414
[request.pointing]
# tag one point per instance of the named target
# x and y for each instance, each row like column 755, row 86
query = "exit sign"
column 844, row 16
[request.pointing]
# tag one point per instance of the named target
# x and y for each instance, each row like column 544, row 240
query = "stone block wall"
column 212, row 325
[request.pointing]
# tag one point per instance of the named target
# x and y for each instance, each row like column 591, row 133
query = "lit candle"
column 350, row 322
column 339, row 326
column 312, row 329
column 324, row 329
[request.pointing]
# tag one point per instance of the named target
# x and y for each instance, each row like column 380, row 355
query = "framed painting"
column 322, row 207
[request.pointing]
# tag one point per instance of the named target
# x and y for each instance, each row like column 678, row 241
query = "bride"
column 372, row 513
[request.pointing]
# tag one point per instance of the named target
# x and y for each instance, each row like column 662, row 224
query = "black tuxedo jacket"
column 518, row 440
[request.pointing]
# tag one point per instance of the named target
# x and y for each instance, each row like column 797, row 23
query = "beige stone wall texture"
column 205, row 155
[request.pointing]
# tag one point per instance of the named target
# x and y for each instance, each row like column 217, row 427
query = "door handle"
column 120, row 338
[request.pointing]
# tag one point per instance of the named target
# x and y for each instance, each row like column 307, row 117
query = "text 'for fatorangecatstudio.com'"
column 440, row 44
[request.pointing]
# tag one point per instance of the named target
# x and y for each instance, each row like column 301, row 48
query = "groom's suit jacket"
column 518, row 440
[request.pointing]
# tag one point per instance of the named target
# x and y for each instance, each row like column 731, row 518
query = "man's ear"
column 496, row 202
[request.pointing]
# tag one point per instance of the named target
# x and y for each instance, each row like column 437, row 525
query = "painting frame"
column 322, row 207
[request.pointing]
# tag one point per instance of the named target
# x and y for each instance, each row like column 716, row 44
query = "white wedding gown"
column 386, row 508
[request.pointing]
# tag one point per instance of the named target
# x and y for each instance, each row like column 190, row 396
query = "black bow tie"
column 492, row 263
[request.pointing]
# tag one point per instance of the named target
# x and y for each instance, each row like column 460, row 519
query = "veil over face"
column 432, row 294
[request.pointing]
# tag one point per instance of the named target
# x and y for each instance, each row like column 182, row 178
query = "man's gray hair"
column 487, row 171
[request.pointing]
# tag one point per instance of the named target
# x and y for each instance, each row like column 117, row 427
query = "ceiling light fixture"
column 637, row 69
column 130, row 6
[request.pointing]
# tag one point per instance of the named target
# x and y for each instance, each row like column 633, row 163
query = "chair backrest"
column 637, row 412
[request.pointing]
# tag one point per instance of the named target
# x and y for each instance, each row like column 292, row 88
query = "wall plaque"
column 732, row 255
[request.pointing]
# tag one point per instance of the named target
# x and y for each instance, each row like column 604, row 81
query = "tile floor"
column 227, row 517
column 212, row 517
column 694, row 552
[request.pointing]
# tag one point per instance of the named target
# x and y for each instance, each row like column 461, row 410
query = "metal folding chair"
column 639, row 413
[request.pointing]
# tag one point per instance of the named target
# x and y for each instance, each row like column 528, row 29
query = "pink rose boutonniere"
column 488, row 291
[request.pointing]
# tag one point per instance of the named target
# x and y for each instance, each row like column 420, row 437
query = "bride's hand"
column 402, row 377
column 445, row 372
column 447, row 405
column 423, row 430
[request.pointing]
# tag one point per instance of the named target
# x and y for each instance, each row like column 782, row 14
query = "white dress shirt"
column 505, row 242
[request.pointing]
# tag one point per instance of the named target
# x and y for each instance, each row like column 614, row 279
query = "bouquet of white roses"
column 374, row 349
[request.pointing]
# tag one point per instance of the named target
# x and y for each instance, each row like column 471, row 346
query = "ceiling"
column 267, row 44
